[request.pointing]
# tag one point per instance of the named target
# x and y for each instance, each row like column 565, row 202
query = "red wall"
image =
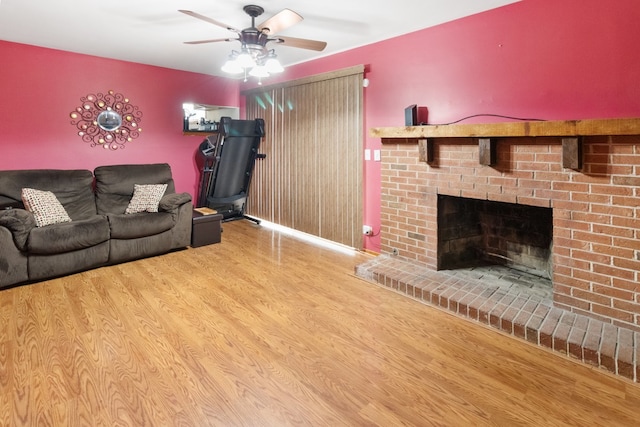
column 549, row 59
column 39, row 88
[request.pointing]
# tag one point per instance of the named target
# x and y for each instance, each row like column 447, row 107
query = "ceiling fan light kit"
column 254, row 58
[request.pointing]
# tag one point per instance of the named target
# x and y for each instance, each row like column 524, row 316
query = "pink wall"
column 40, row 87
column 549, row 59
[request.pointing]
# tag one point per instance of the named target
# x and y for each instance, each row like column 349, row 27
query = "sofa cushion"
column 171, row 202
column 146, row 198
column 46, row 266
column 68, row 236
column 20, row 223
column 73, row 188
column 114, row 184
column 44, row 206
column 133, row 226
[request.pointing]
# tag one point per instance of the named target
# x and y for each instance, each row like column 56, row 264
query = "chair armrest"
column 171, row 202
column 20, row 223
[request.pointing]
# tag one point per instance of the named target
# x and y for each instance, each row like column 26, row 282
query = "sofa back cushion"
column 72, row 188
column 115, row 184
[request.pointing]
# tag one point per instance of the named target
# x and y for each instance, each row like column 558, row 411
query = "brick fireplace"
column 583, row 175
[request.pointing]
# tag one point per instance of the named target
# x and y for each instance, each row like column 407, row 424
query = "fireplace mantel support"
column 572, row 153
column 487, row 148
column 426, row 150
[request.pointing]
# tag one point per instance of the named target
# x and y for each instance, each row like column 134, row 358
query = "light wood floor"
column 263, row 330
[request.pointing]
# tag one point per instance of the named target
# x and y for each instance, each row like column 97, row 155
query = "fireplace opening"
column 475, row 233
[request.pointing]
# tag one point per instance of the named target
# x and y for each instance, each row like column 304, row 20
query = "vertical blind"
column 311, row 178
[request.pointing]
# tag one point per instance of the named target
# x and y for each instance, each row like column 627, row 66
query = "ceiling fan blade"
column 301, row 43
column 209, row 20
column 280, row 21
column 209, row 41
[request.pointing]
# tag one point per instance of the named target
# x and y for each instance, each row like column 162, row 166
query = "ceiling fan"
column 258, row 36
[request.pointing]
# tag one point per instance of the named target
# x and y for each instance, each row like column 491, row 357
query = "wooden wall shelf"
column 199, row 133
column 630, row 126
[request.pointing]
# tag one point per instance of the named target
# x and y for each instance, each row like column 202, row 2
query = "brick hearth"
column 503, row 303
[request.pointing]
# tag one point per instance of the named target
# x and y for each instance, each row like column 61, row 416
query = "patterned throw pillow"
column 44, row 206
column 145, row 198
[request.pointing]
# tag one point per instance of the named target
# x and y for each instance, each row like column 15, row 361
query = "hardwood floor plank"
column 264, row 329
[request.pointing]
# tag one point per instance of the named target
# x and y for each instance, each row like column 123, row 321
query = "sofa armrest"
column 173, row 201
column 20, row 223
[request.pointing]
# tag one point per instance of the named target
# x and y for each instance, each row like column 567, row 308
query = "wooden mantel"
column 569, row 128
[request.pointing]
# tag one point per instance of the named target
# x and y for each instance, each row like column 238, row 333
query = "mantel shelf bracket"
column 572, row 153
column 487, row 155
column 426, row 150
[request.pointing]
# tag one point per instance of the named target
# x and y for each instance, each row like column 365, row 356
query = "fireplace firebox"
column 473, row 232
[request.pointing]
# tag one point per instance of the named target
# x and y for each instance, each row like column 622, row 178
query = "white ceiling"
column 153, row 31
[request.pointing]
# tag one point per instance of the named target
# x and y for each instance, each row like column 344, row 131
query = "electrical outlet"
column 367, row 230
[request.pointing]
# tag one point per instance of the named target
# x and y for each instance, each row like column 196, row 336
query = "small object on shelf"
column 205, row 210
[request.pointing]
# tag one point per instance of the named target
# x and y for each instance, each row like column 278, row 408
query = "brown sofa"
column 99, row 231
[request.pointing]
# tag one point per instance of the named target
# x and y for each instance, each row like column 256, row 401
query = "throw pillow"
column 146, row 198
column 44, row 206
